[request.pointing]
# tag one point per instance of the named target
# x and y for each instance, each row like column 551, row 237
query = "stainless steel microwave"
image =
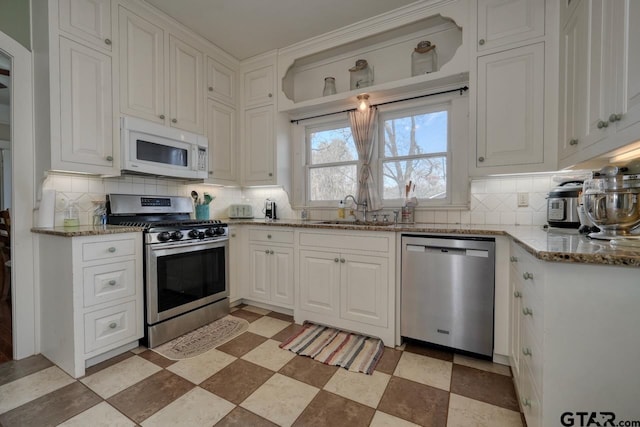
column 153, row 149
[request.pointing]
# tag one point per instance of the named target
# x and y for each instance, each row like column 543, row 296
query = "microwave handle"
column 196, row 158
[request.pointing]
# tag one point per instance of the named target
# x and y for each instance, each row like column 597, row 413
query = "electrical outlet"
column 523, row 200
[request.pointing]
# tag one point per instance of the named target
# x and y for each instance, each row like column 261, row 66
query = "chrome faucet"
column 363, row 204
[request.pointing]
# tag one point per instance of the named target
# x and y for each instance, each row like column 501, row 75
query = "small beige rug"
column 203, row 339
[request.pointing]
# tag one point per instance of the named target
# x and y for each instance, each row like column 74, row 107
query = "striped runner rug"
column 331, row 346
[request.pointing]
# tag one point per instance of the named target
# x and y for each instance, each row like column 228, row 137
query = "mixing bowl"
column 616, row 212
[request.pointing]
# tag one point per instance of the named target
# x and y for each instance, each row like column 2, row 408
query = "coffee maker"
column 270, row 209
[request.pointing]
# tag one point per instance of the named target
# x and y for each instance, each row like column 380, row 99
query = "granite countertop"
column 85, row 230
column 555, row 245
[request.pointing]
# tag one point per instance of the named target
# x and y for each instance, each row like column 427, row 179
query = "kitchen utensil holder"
column 202, row 211
column 407, row 215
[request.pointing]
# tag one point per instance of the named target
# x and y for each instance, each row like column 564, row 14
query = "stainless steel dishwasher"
column 447, row 291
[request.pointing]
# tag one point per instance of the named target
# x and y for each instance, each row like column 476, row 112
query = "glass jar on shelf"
column 361, row 75
column 424, row 59
column 329, row 86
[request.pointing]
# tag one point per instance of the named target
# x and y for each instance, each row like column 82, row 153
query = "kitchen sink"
column 359, row 223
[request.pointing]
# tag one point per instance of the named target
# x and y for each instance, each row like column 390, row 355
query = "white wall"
column 493, row 200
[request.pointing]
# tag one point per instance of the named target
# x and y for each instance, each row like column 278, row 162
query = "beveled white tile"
column 116, row 378
column 465, row 412
column 101, row 415
column 425, row 370
column 197, row 407
column 26, row 389
column 280, row 400
column 365, row 389
column 267, row 326
column 201, row 367
column 382, row 419
column 483, row 365
column 257, row 310
column 269, row 355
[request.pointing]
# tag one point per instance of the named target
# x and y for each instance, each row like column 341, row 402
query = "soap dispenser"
column 71, row 215
column 341, row 209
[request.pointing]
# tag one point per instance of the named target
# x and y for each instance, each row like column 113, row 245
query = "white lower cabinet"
column 271, row 267
column 348, row 281
column 91, row 297
column 570, row 335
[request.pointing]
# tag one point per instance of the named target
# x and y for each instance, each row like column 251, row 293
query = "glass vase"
column 329, row 86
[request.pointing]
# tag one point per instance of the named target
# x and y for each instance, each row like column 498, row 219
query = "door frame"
column 24, row 298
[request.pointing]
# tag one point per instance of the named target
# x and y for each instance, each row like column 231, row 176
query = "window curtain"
column 363, row 124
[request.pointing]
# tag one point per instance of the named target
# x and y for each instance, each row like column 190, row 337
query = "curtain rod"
column 460, row 89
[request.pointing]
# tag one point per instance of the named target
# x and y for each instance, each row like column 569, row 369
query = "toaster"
column 240, row 211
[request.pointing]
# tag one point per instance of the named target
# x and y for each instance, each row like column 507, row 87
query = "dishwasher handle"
column 447, row 250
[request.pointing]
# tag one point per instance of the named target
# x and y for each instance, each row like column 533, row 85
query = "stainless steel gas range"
column 185, row 263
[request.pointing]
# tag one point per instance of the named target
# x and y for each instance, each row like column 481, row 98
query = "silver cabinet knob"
column 266, row 251
column 270, row 173
column 107, row 42
column 601, row 124
column 527, row 275
column 270, row 252
column 615, row 117
column 342, row 260
column 526, row 351
column 270, row 95
column 517, row 294
column 112, row 249
column 109, row 158
column 481, row 42
column 527, row 311
column 513, row 258
column 481, row 159
column 526, row 402
column 113, row 325
column 112, row 282
column 161, row 116
column 573, row 142
column 174, row 120
column 210, row 88
column 268, row 236
column 233, row 234
column 336, row 260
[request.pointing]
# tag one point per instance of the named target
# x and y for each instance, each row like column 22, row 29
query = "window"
column 332, row 162
column 424, row 141
column 413, row 147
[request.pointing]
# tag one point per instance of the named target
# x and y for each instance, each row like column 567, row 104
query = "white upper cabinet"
column 503, row 22
column 510, row 107
column 88, row 20
column 161, row 74
column 221, row 131
column 185, row 83
column 86, row 109
column 259, row 86
column 221, row 82
column 600, row 80
column 259, row 160
column 142, row 80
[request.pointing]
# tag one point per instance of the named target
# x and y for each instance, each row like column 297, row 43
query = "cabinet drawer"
column 531, row 353
column 108, row 282
column 527, row 269
column 271, row 236
column 111, row 326
column 343, row 242
column 108, row 249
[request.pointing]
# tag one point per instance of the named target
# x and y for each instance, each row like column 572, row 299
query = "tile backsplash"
column 493, row 200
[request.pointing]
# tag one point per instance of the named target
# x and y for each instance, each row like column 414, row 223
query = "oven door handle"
column 214, row 243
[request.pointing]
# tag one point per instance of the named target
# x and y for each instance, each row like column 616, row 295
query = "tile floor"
column 249, row 381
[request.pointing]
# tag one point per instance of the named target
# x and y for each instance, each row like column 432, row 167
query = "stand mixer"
column 612, row 202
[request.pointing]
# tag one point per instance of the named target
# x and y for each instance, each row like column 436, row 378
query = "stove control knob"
column 194, row 233
column 164, row 236
column 210, row 232
column 220, row 231
column 176, row 235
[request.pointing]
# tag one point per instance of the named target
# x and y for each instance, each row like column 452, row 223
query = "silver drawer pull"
column 112, row 282
column 513, row 259
column 268, row 236
column 526, row 402
column 336, row 260
column 517, row 294
column 271, row 252
column 342, row 260
column 526, row 351
column 113, row 325
column 266, row 251
column 112, row 249
column 527, row 276
column 107, row 42
column 527, row 311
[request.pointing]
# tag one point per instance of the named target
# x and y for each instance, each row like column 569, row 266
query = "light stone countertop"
column 85, row 230
column 552, row 244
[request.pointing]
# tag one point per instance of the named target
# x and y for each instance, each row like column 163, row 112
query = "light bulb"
column 363, row 103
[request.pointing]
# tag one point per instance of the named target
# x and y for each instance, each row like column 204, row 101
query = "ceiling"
column 245, row 28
